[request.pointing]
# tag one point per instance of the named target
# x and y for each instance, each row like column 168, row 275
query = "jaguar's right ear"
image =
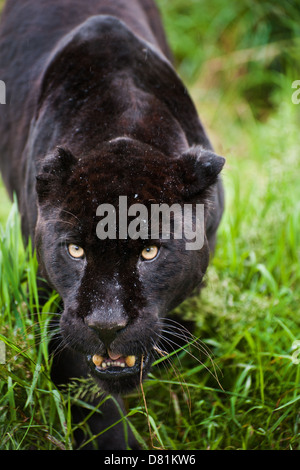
column 201, row 169
column 55, row 172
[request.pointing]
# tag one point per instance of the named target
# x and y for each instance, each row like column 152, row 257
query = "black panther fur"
column 96, row 111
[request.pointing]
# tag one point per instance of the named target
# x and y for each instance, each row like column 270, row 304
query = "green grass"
column 246, row 394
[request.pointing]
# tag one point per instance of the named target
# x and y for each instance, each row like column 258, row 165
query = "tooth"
column 103, row 365
column 97, row 360
column 130, row 361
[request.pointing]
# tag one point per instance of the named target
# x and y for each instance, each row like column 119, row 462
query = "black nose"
column 106, row 330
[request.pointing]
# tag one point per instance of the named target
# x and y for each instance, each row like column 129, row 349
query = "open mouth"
column 112, row 365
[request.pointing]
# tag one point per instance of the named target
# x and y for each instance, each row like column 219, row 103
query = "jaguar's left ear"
column 53, row 175
column 201, row 169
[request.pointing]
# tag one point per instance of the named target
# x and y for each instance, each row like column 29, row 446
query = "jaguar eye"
column 150, row 252
column 75, row 251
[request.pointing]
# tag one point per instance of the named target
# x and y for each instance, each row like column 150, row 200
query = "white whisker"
column 171, row 332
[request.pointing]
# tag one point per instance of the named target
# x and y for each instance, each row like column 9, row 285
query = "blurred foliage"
column 247, row 45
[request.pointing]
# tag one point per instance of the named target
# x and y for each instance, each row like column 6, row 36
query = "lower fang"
column 97, row 360
column 130, row 361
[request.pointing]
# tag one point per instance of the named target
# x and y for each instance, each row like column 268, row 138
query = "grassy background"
column 239, row 60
